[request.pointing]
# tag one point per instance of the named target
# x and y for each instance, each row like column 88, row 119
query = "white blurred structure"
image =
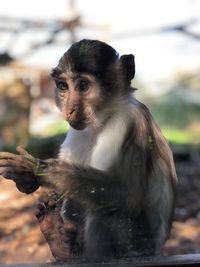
column 131, row 26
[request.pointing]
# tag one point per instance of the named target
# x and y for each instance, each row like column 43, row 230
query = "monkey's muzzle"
column 78, row 124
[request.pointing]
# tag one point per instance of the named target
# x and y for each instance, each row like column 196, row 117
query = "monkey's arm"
column 91, row 186
column 118, row 187
column 29, row 173
column 122, row 186
column 87, row 184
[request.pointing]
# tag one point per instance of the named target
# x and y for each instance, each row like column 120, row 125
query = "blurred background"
column 163, row 35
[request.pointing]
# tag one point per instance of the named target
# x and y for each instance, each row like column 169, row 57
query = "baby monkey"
column 115, row 170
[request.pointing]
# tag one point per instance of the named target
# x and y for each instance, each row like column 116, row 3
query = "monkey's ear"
column 128, row 66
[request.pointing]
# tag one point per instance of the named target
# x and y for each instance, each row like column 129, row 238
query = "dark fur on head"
column 101, row 60
column 89, row 56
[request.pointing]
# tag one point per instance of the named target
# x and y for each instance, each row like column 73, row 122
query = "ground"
column 22, row 242
column 20, row 238
column 185, row 234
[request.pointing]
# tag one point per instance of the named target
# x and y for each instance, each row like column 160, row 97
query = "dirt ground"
column 22, row 242
column 20, row 237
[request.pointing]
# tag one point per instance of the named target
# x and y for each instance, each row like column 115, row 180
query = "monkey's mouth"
column 78, row 124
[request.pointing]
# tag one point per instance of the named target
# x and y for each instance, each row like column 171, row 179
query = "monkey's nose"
column 69, row 113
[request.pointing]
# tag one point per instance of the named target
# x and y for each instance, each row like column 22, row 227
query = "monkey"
column 115, row 170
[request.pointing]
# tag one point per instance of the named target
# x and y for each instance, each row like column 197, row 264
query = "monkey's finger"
column 25, row 154
column 9, row 163
column 20, row 159
column 15, row 165
column 13, row 172
column 8, row 155
column 21, row 150
column 15, row 169
column 7, row 173
column 35, row 163
column 32, row 160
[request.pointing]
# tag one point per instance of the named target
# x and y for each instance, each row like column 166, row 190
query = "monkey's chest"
column 77, row 147
column 96, row 149
column 86, row 150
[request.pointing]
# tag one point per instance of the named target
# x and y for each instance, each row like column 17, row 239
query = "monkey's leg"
column 60, row 235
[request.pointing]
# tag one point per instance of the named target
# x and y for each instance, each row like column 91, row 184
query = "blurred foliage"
column 177, row 112
column 181, row 136
column 173, row 111
column 55, row 128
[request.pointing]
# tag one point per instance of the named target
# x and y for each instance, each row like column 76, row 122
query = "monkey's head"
column 89, row 76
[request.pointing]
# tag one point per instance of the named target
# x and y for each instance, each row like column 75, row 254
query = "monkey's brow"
column 77, row 76
column 56, row 73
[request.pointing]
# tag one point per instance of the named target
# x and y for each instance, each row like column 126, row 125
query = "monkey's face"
column 78, row 97
column 89, row 78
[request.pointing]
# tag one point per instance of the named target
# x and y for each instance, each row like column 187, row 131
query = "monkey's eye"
column 62, row 85
column 83, row 85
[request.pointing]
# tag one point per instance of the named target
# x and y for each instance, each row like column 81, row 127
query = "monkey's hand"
column 21, row 168
column 29, row 173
